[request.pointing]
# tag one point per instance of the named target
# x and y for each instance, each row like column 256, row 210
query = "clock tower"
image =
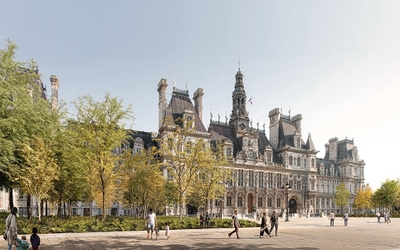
column 239, row 116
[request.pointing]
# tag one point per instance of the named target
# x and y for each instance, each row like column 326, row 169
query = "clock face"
column 250, row 154
column 242, row 126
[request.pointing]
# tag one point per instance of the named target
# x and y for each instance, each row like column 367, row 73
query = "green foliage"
column 120, row 223
column 341, row 196
column 388, row 195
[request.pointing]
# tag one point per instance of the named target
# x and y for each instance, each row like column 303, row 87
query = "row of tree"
column 63, row 158
column 384, row 198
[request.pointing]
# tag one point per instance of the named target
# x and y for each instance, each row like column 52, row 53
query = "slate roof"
column 146, row 137
column 180, row 101
column 223, row 131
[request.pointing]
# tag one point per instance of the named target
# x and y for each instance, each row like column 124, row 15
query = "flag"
column 250, row 101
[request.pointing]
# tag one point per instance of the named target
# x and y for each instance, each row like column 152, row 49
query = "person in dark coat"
column 264, row 226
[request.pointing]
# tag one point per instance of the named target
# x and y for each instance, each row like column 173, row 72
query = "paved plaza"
column 299, row 233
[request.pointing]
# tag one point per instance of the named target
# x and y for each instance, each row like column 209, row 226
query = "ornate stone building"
column 262, row 165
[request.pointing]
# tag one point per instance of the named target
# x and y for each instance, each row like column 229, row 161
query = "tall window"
column 229, row 201
column 270, row 180
column 278, row 202
column 298, row 161
column 240, row 202
column 298, row 143
column 305, row 162
column 269, row 202
column 290, row 160
column 279, row 180
column 251, row 178
column 240, row 178
column 229, row 152
column 260, row 179
column 269, row 157
column 260, row 202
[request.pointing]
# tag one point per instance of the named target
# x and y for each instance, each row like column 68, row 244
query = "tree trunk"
column 39, row 202
column 104, row 206
column 28, row 206
column 10, row 198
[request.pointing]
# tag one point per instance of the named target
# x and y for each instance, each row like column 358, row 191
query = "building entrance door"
column 250, row 203
column 292, row 206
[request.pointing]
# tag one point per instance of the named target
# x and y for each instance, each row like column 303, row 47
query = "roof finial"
column 173, row 79
column 239, row 63
column 187, row 86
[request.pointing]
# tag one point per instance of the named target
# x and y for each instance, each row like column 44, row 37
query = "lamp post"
column 287, row 188
column 225, row 183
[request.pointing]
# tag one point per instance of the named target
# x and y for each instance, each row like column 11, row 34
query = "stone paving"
column 299, row 233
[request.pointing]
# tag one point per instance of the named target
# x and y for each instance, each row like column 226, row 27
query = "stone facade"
column 263, row 165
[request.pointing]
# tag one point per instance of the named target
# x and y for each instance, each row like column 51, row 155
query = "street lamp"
column 287, row 188
column 225, row 183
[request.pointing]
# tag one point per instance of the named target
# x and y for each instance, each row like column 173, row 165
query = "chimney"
column 162, row 101
column 198, row 102
column 274, row 127
column 296, row 120
column 333, row 143
column 54, row 91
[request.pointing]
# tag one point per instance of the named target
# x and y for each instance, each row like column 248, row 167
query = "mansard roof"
column 224, row 131
column 145, row 136
column 310, row 144
column 286, row 132
column 180, row 102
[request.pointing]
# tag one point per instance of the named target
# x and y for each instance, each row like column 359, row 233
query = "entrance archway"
column 249, row 203
column 292, row 206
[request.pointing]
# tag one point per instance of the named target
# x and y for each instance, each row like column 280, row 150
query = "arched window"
column 290, row 160
column 298, row 162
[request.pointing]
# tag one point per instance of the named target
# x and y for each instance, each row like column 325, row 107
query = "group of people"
column 11, row 234
column 204, row 219
column 332, row 217
column 152, row 228
column 385, row 215
column 264, row 224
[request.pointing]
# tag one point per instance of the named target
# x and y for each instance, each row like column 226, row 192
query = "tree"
column 363, row 201
column 142, row 180
column 101, row 131
column 39, row 171
column 341, row 196
column 24, row 113
column 388, row 195
column 183, row 155
column 212, row 177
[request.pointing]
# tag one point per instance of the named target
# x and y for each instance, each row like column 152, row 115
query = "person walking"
column 274, row 223
column 201, row 221
column 346, row 218
column 387, row 217
column 378, row 217
column 151, row 223
column 264, row 226
column 235, row 224
column 332, row 218
column 11, row 227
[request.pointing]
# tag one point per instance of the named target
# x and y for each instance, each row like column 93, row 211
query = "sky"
column 335, row 62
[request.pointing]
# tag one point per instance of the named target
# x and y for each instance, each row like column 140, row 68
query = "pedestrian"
column 22, row 244
column 206, row 220
column 201, row 220
column 378, row 216
column 346, row 218
column 274, row 223
column 264, row 226
column 151, row 223
column 11, row 227
column 35, row 239
column 157, row 232
column 332, row 218
column 167, row 230
column 387, row 215
column 235, row 224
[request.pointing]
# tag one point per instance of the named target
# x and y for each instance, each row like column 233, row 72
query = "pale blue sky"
column 335, row 62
